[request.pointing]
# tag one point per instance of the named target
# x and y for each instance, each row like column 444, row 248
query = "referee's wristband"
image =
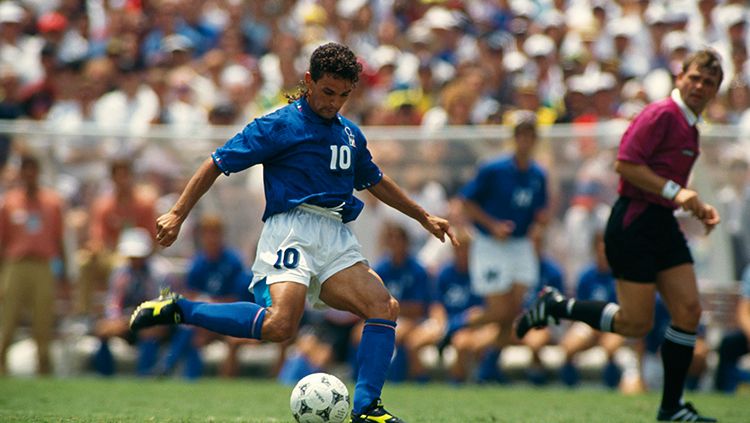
column 670, row 190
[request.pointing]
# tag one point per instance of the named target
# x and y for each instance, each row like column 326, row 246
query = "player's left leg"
column 679, row 290
column 359, row 290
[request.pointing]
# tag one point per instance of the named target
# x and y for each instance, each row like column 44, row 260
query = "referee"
column 644, row 245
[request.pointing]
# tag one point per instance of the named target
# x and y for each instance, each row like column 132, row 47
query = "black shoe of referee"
column 685, row 413
column 538, row 316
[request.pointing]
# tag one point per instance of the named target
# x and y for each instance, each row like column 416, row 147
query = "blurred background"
column 112, row 104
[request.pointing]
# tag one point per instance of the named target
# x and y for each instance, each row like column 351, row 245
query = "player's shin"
column 600, row 315
column 240, row 319
column 676, row 352
column 373, row 358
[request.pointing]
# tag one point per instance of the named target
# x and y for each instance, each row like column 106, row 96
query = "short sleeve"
column 643, row 137
column 366, row 172
column 259, row 140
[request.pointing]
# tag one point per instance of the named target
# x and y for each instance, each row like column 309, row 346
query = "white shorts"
column 495, row 265
column 305, row 245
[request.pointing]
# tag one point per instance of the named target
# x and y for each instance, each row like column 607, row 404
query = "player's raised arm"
column 391, row 194
column 168, row 225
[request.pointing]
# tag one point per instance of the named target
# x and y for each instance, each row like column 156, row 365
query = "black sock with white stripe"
column 597, row 314
column 676, row 355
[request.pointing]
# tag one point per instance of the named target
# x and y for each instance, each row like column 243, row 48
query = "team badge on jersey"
column 350, row 135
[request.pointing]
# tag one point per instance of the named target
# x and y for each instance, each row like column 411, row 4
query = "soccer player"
column 507, row 202
column 313, row 158
column 644, row 244
column 735, row 344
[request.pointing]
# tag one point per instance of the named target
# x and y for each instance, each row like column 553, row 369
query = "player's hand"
column 711, row 217
column 501, row 229
column 167, row 228
column 688, row 200
column 440, row 228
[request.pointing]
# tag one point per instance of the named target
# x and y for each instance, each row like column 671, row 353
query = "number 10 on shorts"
column 288, row 258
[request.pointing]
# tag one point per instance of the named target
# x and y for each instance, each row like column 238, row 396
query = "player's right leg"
column 275, row 323
column 359, row 290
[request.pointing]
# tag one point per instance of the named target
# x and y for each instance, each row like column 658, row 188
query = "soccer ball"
column 320, row 398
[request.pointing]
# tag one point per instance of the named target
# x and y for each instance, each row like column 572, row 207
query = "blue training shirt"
column 306, row 159
column 408, row 282
column 217, row 278
column 596, row 285
column 454, row 291
column 506, row 192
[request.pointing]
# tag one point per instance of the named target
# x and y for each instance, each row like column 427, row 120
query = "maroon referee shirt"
column 664, row 138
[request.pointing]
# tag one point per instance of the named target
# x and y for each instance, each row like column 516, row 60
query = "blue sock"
column 240, row 319
column 295, row 368
column 193, row 363
column 374, row 357
column 147, row 353
column 489, row 370
column 182, row 340
column 103, row 361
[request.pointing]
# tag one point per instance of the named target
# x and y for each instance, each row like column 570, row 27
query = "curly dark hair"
column 334, row 59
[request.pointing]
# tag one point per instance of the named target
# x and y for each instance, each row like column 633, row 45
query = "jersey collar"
column 690, row 117
column 304, row 107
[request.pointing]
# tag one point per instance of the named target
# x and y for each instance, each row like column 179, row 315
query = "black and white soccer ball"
column 320, row 398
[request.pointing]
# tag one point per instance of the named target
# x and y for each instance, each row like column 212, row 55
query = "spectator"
column 507, row 202
column 735, row 344
column 215, row 274
column 31, row 246
column 409, row 283
column 550, row 274
column 455, row 297
column 138, row 279
column 595, row 283
column 125, row 207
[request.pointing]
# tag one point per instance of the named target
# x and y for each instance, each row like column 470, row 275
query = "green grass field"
column 248, row 400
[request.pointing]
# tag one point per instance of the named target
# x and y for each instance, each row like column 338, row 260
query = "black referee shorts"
column 651, row 243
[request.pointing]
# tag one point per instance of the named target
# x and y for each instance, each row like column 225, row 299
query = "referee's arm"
column 646, row 179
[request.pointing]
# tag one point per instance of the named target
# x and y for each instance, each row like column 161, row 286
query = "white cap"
column 135, row 242
column 385, row 55
column 176, row 42
column 441, row 18
column 514, row 61
column 656, row 13
column 605, row 81
column 234, row 75
column 552, row 18
column 623, row 27
column 348, row 8
column 538, row 45
column 675, row 40
column 580, row 84
column 11, row 12
column 732, row 14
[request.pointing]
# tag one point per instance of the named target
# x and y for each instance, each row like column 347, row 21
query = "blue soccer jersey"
column 454, row 291
column 550, row 274
column 219, row 277
column 596, row 285
column 408, row 282
column 506, row 192
column 306, row 159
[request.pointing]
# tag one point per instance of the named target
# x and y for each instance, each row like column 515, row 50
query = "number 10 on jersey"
column 341, row 157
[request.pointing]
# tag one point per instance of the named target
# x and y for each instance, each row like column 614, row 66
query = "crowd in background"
column 429, row 64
